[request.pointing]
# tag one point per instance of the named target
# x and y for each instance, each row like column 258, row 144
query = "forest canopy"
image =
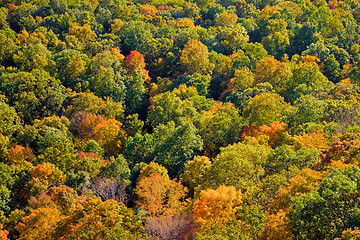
column 179, row 119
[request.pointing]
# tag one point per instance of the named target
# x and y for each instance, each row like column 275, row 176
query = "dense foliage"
column 179, row 119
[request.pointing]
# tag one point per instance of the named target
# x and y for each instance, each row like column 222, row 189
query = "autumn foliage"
column 179, row 119
column 216, row 205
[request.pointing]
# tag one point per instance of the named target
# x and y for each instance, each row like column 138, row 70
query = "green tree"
column 71, row 65
column 238, row 165
column 139, row 148
column 8, row 47
column 337, row 196
column 219, row 127
column 332, row 68
column 277, row 39
column 306, row 79
column 168, row 107
column 175, row 145
column 234, row 39
column 255, row 52
column 134, row 34
column 34, row 94
column 265, row 108
column 108, row 76
column 136, row 82
column 9, row 120
column 193, row 176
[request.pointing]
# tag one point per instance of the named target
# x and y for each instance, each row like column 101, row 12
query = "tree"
column 302, row 38
column 306, row 79
column 49, row 136
column 9, row 120
column 184, row 92
column 219, row 127
column 135, row 84
column 243, row 79
column 90, row 162
column 134, row 34
column 20, row 155
column 338, row 191
column 277, row 39
column 168, row 107
column 226, row 19
column 43, row 176
column 194, row 58
column 170, row 227
column 238, row 165
column 200, row 82
column 159, row 195
column 110, row 136
column 4, row 199
column 4, row 234
column 318, row 49
column 276, row 133
column 79, row 37
column 108, row 76
column 7, row 48
column 93, row 146
column 61, row 154
column 109, row 188
column 40, row 224
column 216, row 205
column 314, row 139
column 284, row 158
column 95, row 219
column 175, row 145
column 75, row 68
column 61, row 197
column 195, row 169
column 234, row 39
column 71, row 65
column 139, row 148
column 270, row 70
column 32, row 54
column 34, row 94
column 88, row 102
column 265, row 108
column 332, row 69
column 277, row 228
column 350, row 234
column 255, row 52
column 118, row 169
column 4, row 146
column 148, row 10
column 108, row 133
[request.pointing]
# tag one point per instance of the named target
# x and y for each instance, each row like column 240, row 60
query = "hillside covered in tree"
column 179, row 119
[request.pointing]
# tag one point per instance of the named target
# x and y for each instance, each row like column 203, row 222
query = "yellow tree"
column 159, row 195
column 216, row 205
column 195, row 58
column 243, row 79
column 3, row 234
column 226, row 19
column 44, row 175
column 270, row 70
column 111, row 136
column 95, row 219
column 277, row 228
column 80, row 36
column 40, row 224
